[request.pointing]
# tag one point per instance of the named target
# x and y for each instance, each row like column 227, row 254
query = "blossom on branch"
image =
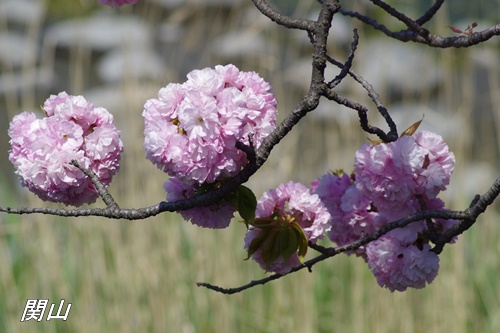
column 352, row 215
column 216, row 216
column 191, row 129
column 42, row 149
column 397, row 265
column 286, row 219
column 392, row 180
column 390, row 174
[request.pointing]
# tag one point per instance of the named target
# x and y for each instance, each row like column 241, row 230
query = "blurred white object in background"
column 131, row 63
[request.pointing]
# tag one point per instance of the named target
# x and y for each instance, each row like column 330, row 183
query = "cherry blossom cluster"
column 286, row 217
column 192, row 129
column 216, row 216
column 391, row 181
column 42, row 149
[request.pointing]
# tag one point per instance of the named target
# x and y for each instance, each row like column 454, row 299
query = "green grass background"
column 140, row 276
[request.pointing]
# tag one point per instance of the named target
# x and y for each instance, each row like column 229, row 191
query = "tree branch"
column 101, row 188
column 415, row 33
column 281, row 19
column 363, row 116
column 309, row 102
column 393, row 132
column 346, row 67
column 429, row 14
column 467, row 218
column 412, row 25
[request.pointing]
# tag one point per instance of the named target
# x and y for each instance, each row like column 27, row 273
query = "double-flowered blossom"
column 352, row 215
column 398, row 266
column 118, row 3
column 390, row 174
column 402, row 258
column 286, row 218
column 191, row 129
column 216, row 216
column 391, row 181
column 42, row 149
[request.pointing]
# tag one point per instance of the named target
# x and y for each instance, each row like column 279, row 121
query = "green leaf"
column 302, row 238
column 263, row 222
column 289, row 243
column 247, row 204
column 269, row 249
column 257, row 242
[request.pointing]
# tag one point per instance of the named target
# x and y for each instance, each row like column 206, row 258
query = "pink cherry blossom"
column 392, row 173
column 385, row 172
column 53, row 101
column 397, row 265
column 392, row 180
column 216, row 216
column 290, row 201
column 42, row 149
column 438, row 165
column 191, row 129
column 352, row 216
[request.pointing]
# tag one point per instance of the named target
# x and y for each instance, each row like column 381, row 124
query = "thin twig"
column 363, row 116
column 424, row 37
column 100, row 187
column 393, row 132
column 346, row 67
column 429, row 14
column 309, row 102
column 477, row 207
column 467, row 218
column 412, row 25
column 281, row 19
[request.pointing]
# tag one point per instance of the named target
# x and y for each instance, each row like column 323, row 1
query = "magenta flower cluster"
column 118, row 3
column 191, row 133
column 391, row 174
column 290, row 201
column 191, row 129
column 73, row 129
column 388, row 181
column 351, row 211
column 216, row 216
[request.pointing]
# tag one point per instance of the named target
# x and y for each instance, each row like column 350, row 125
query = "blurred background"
column 139, row 276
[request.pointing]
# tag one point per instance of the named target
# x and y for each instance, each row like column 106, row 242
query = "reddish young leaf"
column 458, row 31
column 413, row 128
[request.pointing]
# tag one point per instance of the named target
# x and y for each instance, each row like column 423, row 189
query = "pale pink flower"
column 205, row 117
column 42, row 149
column 290, row 202
column 216, row 216
column 438, row 166
column 385, row 172
column 352, row 215
column 392, row 173
column 53, row 101
column 391, row 182
column 397, row 265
